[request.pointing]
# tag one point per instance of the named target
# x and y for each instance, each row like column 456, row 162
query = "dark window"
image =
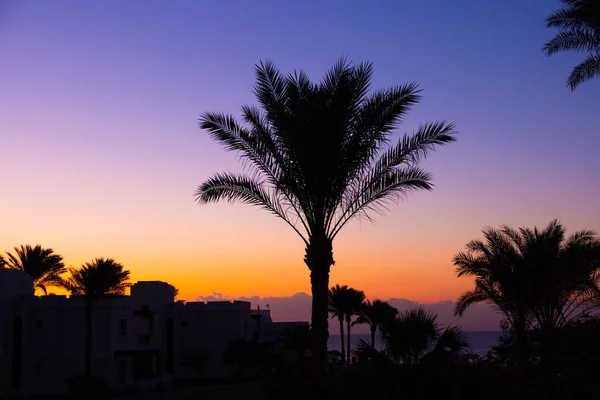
column 123, row 327
column 39, row 324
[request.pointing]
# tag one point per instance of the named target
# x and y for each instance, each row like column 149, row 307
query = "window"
column 39, row 324
column 123, row 327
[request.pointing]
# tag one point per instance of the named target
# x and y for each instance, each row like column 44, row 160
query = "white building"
column 138, row 338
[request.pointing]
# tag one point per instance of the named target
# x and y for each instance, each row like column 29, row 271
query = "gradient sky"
column 101, row 152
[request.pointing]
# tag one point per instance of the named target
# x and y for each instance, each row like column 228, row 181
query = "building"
column 137, row 339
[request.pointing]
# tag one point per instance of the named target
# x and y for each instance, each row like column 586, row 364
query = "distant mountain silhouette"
column 297, row 308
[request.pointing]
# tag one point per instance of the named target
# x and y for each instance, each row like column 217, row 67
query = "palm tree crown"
column 579, row 30
column 416, row 334
column 375, row 314
column 344, row 303
column 43, row 265
column 533, row 276
column 101, row 277
column 317, row 157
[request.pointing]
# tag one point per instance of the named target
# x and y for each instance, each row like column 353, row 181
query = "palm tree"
column 43, row 265
column 93, row 281
column 375, row 315
column 579, row 30
column 317, row 157
column 336, row 303
column 534, row 277
column 344, row 303
column 354, row 301
column 416, row 334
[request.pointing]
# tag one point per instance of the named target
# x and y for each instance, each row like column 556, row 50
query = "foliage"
column 248, row 355
column 296, row 338
column 101, row 277
column 43, row 265
column 534, row 277
column 579, row 30
column 375, row 314
column 317, row 157
column 344, row 303
column 414, row 338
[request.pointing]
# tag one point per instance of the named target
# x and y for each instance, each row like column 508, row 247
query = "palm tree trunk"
column 373, row 331
column 349, row 353
column 88, row 339
column 319, row 259
column 343, row 347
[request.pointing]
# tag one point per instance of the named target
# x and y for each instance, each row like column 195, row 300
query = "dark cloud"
column 478, row 317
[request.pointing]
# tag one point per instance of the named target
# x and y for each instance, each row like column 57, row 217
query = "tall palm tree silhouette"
column 318, row 157
column 534, row 277
column 375, row 314
column 43, row 265
column 579, row 30
column 345, row 303
column 94, row 280
column 336, row 305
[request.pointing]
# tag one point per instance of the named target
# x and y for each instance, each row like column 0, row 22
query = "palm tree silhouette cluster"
column 408, row 338
column 92, row 281
column 537, row 279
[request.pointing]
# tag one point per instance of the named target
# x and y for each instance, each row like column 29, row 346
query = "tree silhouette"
column 375, row 314
column 43, row 265
column 415, row 336
column 296, row 339
column 336, row 303
column 579, row 30
column 344, row 303
column 93, row 281
column 317, row 157
column 534, row 277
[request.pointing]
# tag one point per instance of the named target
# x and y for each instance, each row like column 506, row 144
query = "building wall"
column 147, row 323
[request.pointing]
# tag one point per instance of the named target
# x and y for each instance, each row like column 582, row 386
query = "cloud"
column 478, row 317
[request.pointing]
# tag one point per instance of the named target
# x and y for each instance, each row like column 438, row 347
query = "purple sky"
column 101, row 152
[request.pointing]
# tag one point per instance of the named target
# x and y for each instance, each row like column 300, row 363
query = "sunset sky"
column 101, row 151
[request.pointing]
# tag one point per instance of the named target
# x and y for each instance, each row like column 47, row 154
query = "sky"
column 101, row 151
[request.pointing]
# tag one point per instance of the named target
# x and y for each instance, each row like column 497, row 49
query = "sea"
column 480, row 341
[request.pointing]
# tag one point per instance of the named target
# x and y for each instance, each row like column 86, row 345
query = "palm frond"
column 576, row 39
column 232, row 188
column 467, row 299
column 588, row 69
column 96, row 279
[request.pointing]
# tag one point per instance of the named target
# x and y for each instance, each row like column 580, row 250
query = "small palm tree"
column 354, row 301
column 415, row 335
column 336, row 306
column 579, row 30
column 534, row 277
column 43, row 265
column 345, row 303
column 375, row 314
column 93, row 281
column 318, row 158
